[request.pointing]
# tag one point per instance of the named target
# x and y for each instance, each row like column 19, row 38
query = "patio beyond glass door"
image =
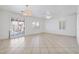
column 17, row 28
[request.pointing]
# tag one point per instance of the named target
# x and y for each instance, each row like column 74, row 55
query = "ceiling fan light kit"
column 27, row 11
column 48, row 17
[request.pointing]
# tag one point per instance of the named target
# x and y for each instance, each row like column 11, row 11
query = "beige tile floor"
column 40, row 44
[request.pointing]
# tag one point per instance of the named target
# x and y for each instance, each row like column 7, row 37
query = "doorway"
column 17, row 28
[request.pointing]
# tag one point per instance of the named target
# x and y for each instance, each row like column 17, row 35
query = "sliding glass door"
column 17, row 28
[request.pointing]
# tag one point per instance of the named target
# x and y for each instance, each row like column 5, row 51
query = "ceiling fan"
column 48, row 15
column 28, row 12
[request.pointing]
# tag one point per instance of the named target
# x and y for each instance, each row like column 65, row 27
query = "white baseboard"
column 61, row 34
column 34, row 34
column 50, row 33
column 3, row 38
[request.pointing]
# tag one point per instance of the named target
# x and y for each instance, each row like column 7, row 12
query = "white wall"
column 78, row 28
column 29, row 26
column 5, row 17
column 52, row 25
column 4, row 22
column 78, row 25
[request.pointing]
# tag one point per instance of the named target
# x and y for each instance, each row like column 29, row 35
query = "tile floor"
column 40, row 44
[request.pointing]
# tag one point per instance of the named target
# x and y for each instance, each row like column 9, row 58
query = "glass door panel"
column 17, row 29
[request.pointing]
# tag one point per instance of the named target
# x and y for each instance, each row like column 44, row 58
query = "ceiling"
column 43, row 10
